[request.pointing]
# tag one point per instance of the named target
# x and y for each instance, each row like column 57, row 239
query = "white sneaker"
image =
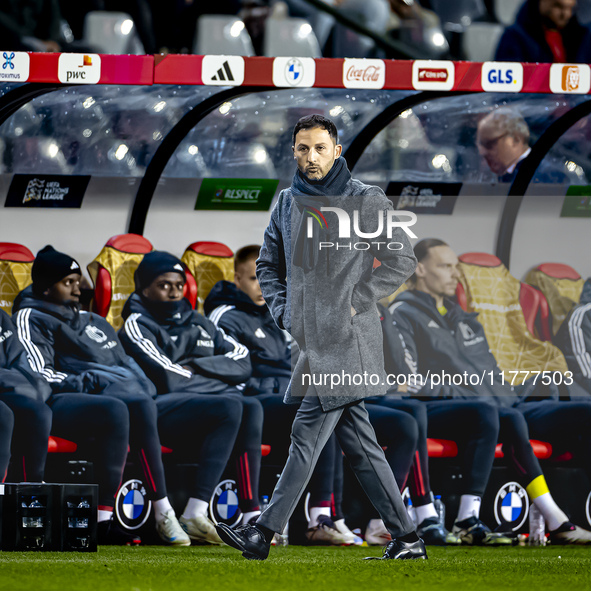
column 376, row 533
column 200, row 528
column 170, row 530
column 352, row 539
column 325, row 533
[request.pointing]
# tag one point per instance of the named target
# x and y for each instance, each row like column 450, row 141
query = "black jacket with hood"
column 574, row 339
column 16, row 375
column 231, row 309
column 455, row 344
column 74, row 351
column 165, row 338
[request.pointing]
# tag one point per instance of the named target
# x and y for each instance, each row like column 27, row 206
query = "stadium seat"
column 535, row 311
column 494, row 293
column 506, row 10
column 16, row 261
column 285, row 37
column 459, row 14
column 112, row 273
column 442, row 448
column 480, row 40
column 112, row 32
column 57, row 445
column 208, row 263
column 222, row 35
column 561, row 286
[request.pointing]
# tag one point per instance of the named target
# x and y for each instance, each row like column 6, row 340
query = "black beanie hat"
column 156, row 263
column 51, row 266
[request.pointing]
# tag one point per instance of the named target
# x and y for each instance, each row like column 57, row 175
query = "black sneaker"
column 110, row 533
column 398, row 550
column 249, row 539
column 475, row 533
column 434, row 534
column 569, row 533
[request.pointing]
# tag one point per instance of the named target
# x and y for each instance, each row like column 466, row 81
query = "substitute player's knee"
column 112, row 414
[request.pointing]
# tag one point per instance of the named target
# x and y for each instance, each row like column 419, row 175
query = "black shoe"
column 110, row 533
column 249, row 539
column 398, row 550
column 434, row 534
column 474, row 532
column 569, row 533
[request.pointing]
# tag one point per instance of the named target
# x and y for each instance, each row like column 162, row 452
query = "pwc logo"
column 433, row 75
column 502, row 77
column 78, row 68
column 570, row 78
column 364, row 73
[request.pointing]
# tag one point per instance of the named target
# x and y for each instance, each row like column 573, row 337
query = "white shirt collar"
column 512, row 167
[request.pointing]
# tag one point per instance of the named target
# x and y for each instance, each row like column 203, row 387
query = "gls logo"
column 345, row 227
column 502, row 76
column 77, row 68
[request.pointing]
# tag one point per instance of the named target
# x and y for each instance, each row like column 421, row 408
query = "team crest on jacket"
column 223, row 505
column 511, row 506
column 259, row 333
column 132, row 506
column 96, row 334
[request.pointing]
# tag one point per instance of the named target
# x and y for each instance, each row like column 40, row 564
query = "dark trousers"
column 32, row 425
column 99, row 425
column 6, row 428
column 200, row 429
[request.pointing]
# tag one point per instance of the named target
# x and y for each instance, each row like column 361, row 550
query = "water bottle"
column 440, row 508
column 411, row 512
column 264, row 503
column 537, row 527
column 283, row 538
column 33, row 521
column 83, row 521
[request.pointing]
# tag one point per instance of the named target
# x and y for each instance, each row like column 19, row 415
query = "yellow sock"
column 537, row 487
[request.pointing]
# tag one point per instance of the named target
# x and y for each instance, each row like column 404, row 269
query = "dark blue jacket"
column 166, row 340
column 524, row 41
column 74, row 351
column 253, row 326
column 574, row 339
column 16, row 375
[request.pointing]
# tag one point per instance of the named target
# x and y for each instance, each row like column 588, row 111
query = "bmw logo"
column 511, row 506
column 294, row 71
column 223, row 505
column 132, row 506
column 588, row 509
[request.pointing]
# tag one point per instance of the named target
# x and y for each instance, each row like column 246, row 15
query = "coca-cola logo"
column 368, row 74
column 433, row 75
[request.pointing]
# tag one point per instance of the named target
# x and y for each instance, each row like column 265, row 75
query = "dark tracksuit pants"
column 472, row 425
column 200, row 429
column 99, row 425
column 565, row 425
column 32, row 425
column 6, row 428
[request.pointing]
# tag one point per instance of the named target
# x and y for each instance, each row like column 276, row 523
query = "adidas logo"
column 74, row 265
column 259, row 333
column 433, row 324
column 220, row 75
column 179, row 267
column 173, row 339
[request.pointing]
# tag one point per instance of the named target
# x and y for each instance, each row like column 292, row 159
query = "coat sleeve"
column 12, row 350
column 38, row 342
column 577, row 334
column 141, row 343
column 510, row 47
column 271, row 268
column 230, row 362
column 396, row 266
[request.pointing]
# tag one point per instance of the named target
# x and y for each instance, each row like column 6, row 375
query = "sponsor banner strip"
column 186, row 69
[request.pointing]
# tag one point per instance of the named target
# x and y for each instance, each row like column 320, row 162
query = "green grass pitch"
column 296, row 568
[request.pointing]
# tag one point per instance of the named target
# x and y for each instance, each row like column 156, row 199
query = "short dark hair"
column 312, row 121
column 245, row 254
column 421, row 250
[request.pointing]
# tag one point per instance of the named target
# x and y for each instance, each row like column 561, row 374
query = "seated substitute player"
column 239, row 308
column 81, row 353
column 183, row 353
column 440, row 336
column 22, row 405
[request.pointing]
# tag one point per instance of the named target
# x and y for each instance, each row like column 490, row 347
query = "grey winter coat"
column 315, row 306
